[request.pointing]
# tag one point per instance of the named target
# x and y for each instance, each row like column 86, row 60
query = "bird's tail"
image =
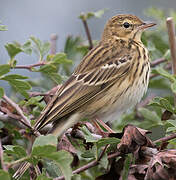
column 21, row 170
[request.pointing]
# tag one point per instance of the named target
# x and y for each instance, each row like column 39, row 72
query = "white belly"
column 132, row 96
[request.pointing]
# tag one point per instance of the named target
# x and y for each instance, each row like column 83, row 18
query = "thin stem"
column 165, row 139
column 172, row 44
column 17, row 161
column 30, row 66
column 24, row 120
column 157, row 61
column 88, row 34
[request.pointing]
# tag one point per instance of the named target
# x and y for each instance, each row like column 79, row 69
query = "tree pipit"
column 110, row 79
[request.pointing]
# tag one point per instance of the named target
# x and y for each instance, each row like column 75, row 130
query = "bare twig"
column 165, row 139
column 24, row 120
column 4, row 167
column 89, row 165
column 53, row 40
column 172, row 44
column 87, row 33
column 157, row 61
column 30, row 66
column 6, row 119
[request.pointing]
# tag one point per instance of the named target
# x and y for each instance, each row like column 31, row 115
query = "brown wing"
column 88, row 80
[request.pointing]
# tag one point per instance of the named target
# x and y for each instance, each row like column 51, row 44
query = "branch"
column 24, row 120
column 87, row 33
column 172, row 44
column 157, row 61
column 89, row 165
column 30, row 66
column 7, row 119
column 165, row 139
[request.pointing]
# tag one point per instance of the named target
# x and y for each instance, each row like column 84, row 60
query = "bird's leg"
column 99, row 129
column 104, row 125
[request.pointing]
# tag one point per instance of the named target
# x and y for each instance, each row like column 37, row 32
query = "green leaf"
column 4, row 175
column 26, row 47
column 164, row 73
column 41, row 48
column 1, row 92
column 63, row 160
column 88, row 136
column 150, row 115
column 45, row 48
column 45, row 140
column 3, row 28
column 43, row 150
column 48, row 68
column 97, row 14
column 166, row 104
column 88, row 154
column 4, row 69
column 173, row 122
column 104, row 161
column 61, row 58
column 20, row 86
column 105, row 141
column 55, row 77
column 12, row 49
column 173, row 87
column 17, row 151
column 43, row 177
column 171, row 129
column 14, row 76
column 126, row 166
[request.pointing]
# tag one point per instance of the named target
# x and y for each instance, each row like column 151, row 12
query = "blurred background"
column 41, row 18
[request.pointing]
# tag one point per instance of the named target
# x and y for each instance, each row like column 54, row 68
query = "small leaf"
column 1, row 92
column 173, row 122
column 88, row 136
column 150, row 115
column 48, row 69
column 104, row 161
column 43, row 177
column 14, row 76
column 3, row 28
column 45, row 48
column 164, row 73
column 63, row 160
column 126, row 166
column 4, row 175
column 26, row 47
column 20, row 86
column 105, row 141
column 4, row 69
column 55, row 77
column 42, row 151
column 45, row 140
column 61, row 58
column 12, row 49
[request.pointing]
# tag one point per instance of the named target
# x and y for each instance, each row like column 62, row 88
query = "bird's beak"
column 146, row 25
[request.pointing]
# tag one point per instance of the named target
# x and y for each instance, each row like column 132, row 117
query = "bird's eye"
column 126, row 25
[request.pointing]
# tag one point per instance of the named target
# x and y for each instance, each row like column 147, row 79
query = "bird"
column 109, row 80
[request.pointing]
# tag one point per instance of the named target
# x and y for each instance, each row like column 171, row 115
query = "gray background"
column 40, row 18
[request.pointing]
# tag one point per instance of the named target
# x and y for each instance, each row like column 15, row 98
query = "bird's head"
column 126, row 27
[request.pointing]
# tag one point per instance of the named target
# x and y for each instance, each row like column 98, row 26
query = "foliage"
column 73, row 152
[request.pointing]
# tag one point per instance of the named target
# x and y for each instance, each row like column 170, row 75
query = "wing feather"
column 87, row 81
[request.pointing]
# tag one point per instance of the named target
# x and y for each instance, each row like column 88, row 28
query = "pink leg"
column 105, row 126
